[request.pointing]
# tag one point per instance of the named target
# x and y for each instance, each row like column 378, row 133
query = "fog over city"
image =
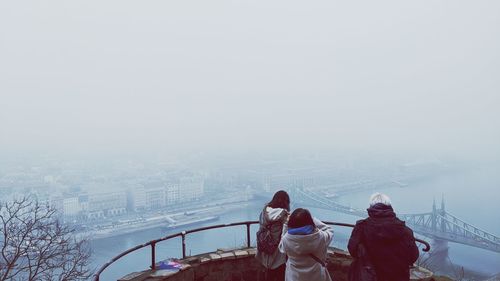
column 221, row 103
column 177, row 75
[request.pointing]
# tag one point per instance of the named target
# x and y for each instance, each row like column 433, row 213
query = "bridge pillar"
column 439, row 246
column 438, row 260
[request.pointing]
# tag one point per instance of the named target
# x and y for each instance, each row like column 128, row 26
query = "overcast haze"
column 120, row 75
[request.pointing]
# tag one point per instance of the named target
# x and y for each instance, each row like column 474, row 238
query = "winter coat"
column 389, row 243
column 278, row 216
column 300, row 266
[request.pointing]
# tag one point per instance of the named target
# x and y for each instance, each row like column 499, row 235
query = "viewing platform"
column 236, row 264
column 240, row 265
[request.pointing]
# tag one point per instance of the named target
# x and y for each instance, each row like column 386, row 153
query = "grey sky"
column 219, row 74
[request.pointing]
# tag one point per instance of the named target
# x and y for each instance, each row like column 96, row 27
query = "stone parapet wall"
column 239, row 265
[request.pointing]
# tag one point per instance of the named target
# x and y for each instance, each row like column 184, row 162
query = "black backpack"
column 266, row 243
column 265, row 240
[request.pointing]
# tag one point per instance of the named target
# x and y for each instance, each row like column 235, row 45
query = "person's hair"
column 280, row 200
column 379, row 198
column 299, row 218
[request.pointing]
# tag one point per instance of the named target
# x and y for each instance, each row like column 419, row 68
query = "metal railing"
column 183, row 235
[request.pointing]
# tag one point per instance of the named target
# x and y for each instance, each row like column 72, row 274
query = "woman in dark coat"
column 389, row 243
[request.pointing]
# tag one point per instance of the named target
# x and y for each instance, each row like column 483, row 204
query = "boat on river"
column 190, row 222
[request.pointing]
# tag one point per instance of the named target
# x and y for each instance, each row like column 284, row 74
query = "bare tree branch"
column 36, row 246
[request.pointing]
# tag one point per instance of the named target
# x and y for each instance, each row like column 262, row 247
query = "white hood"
column 304, row 244
column 274, row 214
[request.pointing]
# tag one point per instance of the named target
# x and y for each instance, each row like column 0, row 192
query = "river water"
column 472, row 196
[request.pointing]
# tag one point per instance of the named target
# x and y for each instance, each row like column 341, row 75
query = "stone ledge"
column 240, row 265
column 214, row 257
column 227, row 255
column 240, row 253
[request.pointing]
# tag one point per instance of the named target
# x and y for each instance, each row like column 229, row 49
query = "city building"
column 71, row 206
column 100, row 205
column 190, row 188
column 146, row 198
column 171, row 194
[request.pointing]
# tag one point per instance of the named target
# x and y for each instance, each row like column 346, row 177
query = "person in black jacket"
column 388, row 242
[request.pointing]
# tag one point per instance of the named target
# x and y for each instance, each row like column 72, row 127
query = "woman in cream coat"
column 275, row 214
column 305, row 243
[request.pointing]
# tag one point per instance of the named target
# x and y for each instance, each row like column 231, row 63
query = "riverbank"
column 180, row 218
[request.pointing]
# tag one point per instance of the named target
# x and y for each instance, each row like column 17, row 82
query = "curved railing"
column 183, row 234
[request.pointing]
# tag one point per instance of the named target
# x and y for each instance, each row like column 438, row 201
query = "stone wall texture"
column 240, row 265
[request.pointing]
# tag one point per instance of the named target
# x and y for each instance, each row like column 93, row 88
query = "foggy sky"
column 119, row 75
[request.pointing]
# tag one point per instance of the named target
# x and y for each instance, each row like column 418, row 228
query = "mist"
column 122, row 76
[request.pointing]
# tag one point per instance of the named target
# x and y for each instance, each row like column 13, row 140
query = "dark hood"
column 380, row 211
column 383, row 224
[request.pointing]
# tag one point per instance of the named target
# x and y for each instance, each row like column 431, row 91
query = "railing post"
column 248, row 234
column 153, row 255
column 183, row 234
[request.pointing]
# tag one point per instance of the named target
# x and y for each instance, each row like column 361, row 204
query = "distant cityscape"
column 86, row 193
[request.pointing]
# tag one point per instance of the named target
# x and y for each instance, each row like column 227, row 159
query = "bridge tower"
column 434, row 216
column 442, row 213
column 440, row 246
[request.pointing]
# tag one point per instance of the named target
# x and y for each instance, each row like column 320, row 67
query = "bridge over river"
column 437, row 224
